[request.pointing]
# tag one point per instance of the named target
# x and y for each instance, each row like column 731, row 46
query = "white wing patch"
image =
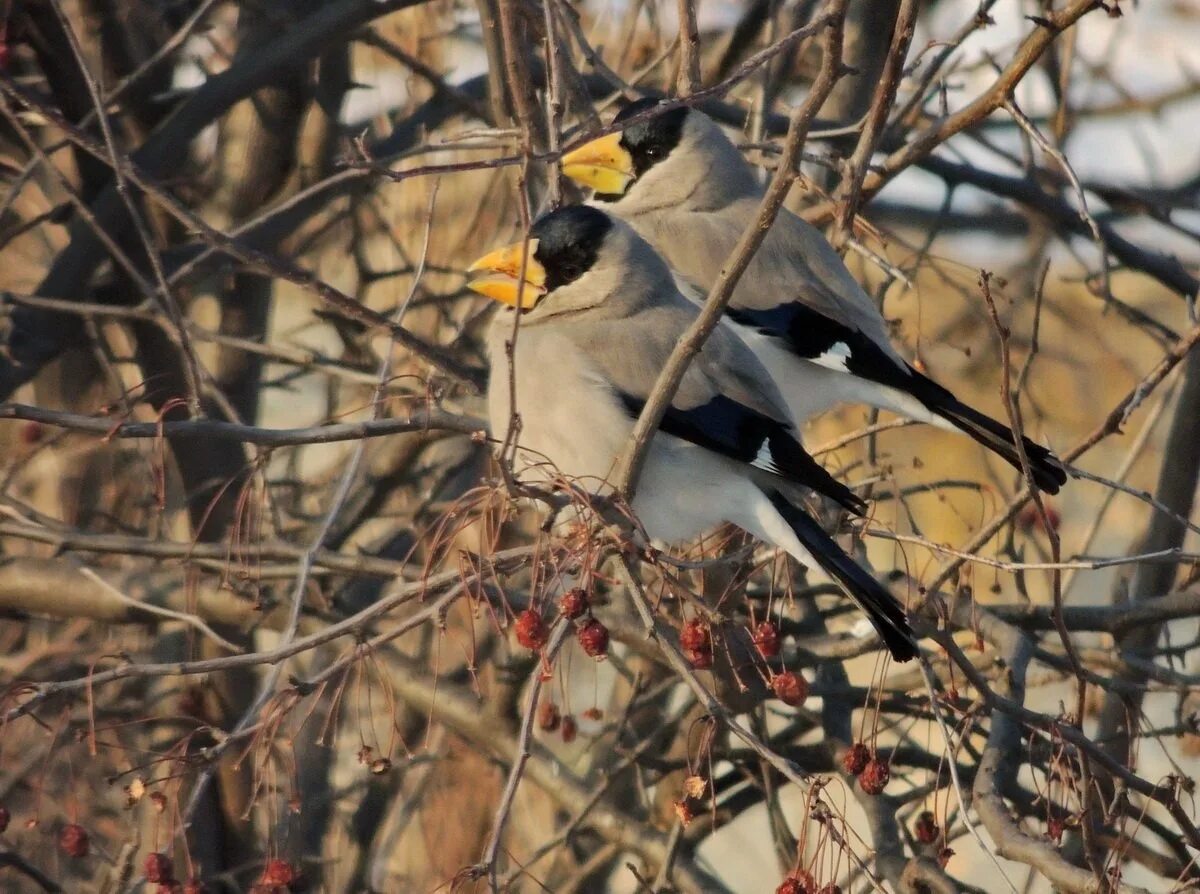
column 764, row 460
column 835, row 358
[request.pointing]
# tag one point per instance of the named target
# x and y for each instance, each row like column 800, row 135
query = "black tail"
column 885, row 612
column 1048, row 472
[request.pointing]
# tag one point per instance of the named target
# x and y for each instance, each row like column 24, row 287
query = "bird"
column 600, row 315
column 682, row 184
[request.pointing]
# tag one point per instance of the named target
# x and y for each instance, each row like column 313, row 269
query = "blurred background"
column 229, row 231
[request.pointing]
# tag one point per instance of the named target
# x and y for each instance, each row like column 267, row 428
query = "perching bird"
column 601, row 314
column 683, row 185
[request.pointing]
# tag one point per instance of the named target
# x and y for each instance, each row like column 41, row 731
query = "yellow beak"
column 603, row 164
column 503, row 281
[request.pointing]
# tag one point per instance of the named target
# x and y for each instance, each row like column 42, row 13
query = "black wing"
column 731, row 429
column 813, row 336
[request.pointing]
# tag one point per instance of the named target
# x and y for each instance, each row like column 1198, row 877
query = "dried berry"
column 568, row 730
column 548, row 716
column 593, row 637
column 874, row 777
column 278, row 872
column 73, row 840
column 195, row 886
column 683, row 811
column 573, row 603
column 831, row 888
column 31, row 433
column 1054, row 829
column 790, row 688
column 531, row 630
column 926, row 828
column 856, row 758
column 766, row 639
column 944, row 856
column 695, row 636
column 1029, row 518
column 799, row 882
column 593, row 714
column 700, row 659
column 5, row 819
column 158, row 869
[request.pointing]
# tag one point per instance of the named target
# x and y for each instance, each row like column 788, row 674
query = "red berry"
column 695, row 637
column 855, row 759
column 701, row 659
column 277, row 872
column 799, row 882
column 593, row 637
column 1029, row 518
column 569, row 730
column 790, row 688
column 531, row 631
column 926, row 828
column 944, row 856
column 831, row 889
column 766, row 639
column 73, row 840
column 194, row 886
column 5, row 819
column 1054, row 829
column 31, row 433
column 874, row 777
column 573, row 603
column 158, row 869
column 684, row 811
column 548, row 716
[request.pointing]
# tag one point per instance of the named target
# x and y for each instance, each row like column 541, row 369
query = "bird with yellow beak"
column 682, row 184
column 600, row 315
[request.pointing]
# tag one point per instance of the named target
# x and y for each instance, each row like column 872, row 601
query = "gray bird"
column 683, row 185
column 601, row 314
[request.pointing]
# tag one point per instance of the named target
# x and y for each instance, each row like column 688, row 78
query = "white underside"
column 573, row 427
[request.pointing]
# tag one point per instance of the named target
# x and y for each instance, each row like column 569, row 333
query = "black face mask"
column 569, row 240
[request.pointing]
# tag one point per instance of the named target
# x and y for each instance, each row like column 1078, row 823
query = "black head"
column 569, row 240
column 649, row 142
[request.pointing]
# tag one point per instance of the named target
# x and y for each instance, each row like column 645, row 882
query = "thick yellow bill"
column 603, row 164
column 502, row 281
